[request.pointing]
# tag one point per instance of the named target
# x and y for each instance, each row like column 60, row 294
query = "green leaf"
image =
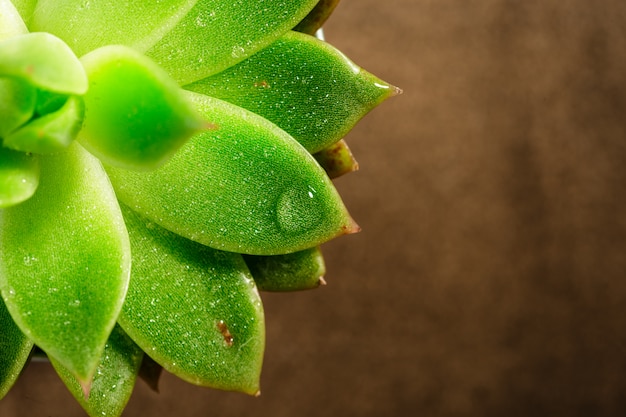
column 337, row 159
column 65, row 261
column 50, row 133
column 17, row 104
column 136, row 115
column 303, row 85
column 49, row 102
column 11, row 23
column 296, row 271
column 217, row 34
column 114, row 380
column 194, row 310
column 246, row 187
column 15, row 349
column 43, row 60
column 87, row 25
column 19, row 177
column 314, row 20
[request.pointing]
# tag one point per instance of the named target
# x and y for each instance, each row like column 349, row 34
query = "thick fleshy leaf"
column 87, row 25
column 14, row 351
column 246, row 187
column 43, row 60
column 65, row 261
column 194, row 310
column 300, row 270
column 217, row 34
column 114, row 380
column 17, row 104
column 136, row 115
column 337, row 159
column 11, row 23
column 51, row 133
column 19, row 177
column 316, row 18
column 304, row 85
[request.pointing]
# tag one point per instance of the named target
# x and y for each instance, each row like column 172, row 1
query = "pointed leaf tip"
column 247, row 187
column 136, row 115
column 288, row 83
column 351, row 228
column 112, row 385
column 85, row 387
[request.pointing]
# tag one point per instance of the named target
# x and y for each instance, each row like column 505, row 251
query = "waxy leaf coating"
column 114, row 379
column 19, row 177
column 65, row 261
column 44, row 61
column 194, row 310
column 246, row 187
column 296, row 271
column 88, row 25
column 303, row 85
column 136, row 116
column 14, row 351
column 217, row 34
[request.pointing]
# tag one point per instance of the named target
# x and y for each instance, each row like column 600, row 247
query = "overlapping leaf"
column 246, row 187
column 114, row 380
column 296, row 271
column 19, row 177
column 65, row 261
column 303, row 85
column 49, row 133
column 14, row 351
column 337, row 159
column 224, row 32
column 194, row 310
column 87, row 25
column 137, row 116
column 44, row 61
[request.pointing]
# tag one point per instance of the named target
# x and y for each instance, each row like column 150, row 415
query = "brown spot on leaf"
column 262, row 84
column 223, row 328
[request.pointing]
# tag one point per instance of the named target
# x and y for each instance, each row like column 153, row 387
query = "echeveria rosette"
column 156, row 160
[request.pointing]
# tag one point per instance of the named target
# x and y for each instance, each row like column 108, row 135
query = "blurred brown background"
column 489, row 276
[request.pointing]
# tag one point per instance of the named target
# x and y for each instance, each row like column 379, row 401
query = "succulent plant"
column 160, row 163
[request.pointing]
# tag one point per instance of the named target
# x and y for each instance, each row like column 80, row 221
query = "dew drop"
column 237, row 52
column 29, row 260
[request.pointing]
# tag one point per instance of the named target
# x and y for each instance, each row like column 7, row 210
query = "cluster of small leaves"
column 160, row 163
